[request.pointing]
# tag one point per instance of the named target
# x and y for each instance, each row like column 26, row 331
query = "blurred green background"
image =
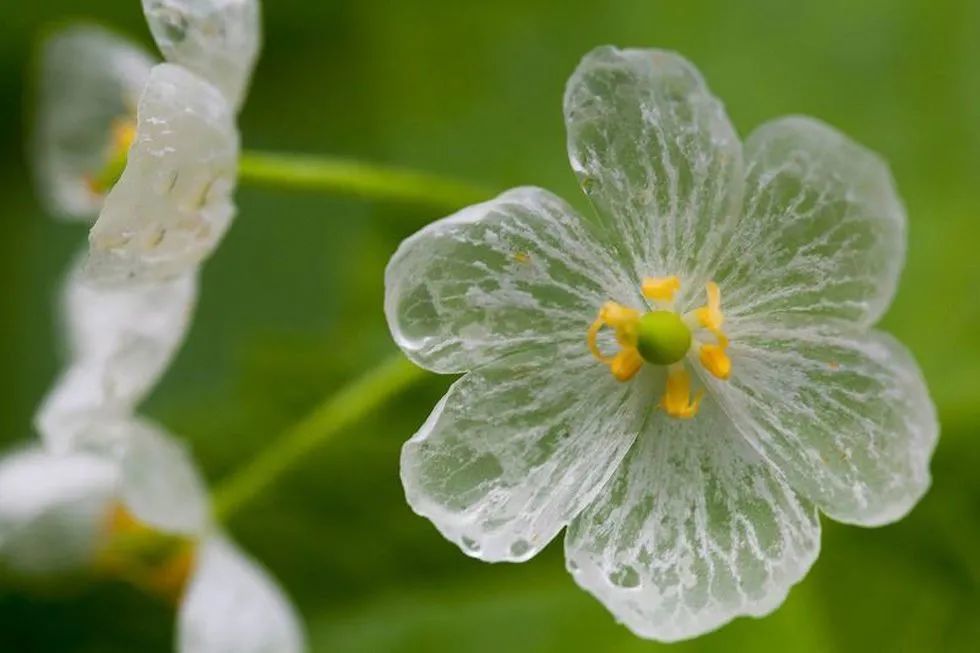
column 291, row 305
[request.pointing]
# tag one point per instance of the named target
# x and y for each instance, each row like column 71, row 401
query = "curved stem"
column 329, row 418
column 364, row 180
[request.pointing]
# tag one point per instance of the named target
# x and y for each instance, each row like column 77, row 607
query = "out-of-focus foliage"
column 291, row 305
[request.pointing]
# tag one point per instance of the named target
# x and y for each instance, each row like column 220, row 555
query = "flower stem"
column 358, row 179
column 326, row 420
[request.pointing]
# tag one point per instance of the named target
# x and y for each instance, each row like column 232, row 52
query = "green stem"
column 363, row 180
column 328, row 419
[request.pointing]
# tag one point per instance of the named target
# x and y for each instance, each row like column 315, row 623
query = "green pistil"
column 662, row 338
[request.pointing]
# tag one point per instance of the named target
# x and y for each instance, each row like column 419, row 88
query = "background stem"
column 364, row 180
column 339, row 411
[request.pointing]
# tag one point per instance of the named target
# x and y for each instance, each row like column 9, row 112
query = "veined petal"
column 497, row 277
column 173, row 203
column 845, row 415
column 517, row 448
column 658, row 157
column 120, row 340
column 233, row 606
column 694, row 530
column 90, row 79
column 52, row 509
column 822, row 231
column 217, row 39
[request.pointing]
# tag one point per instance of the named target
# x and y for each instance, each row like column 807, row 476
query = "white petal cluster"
column 89, row 81
column 55, row 510
column 170, row 128
column 127, row 306
column 676, row 525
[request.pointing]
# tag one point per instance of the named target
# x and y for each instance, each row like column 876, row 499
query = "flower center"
column 664, row 337
column 156, row 562
column 121, row 139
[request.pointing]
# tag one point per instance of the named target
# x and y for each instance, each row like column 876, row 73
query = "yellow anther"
column 660, row 289
column 710, row 316
column 626, row 364
column 623, row 321
column 676, row 401
column 716, row 361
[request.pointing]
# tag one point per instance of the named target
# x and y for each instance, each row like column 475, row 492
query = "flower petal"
column 695, row 529
column 217, row 39
column 90, row 78
column 120, row 341
column 173, row 203
column 233, row 606
column 845, row 416
column 52, row 509
column 517, row 448
column 658, row 157
column 497, row 277
column 160, row 483
column 823, row 229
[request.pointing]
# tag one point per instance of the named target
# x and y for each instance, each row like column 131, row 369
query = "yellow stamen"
column 626, row 364
column 623, row 321
column 716, row 361
column 660, row 289
column 710, row 316
column 676, row 401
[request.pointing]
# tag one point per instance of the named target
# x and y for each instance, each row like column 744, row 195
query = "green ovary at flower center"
column 662, row 338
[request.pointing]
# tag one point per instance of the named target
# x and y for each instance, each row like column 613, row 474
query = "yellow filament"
column 716, row 361
column 623, row 321
column 710, row 316
column 626, row 364
column 660, row 289
column 676, row 401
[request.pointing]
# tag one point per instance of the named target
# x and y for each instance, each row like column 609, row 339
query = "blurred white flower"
column 173, row 202
column 217, row 39
column 120, row 340
column 154, row 153
column 682, row 384
column 90, row 81
column 138, row 511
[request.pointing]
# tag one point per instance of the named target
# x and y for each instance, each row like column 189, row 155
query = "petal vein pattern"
column 518, row 447
column 520, row 270
column 822, row 232
column 694, row 530
column 844, row 415
column 658, row 157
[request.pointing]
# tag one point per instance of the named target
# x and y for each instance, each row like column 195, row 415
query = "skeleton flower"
column 120, row 340
column 138, row 512
column 159, row 168
column 686, row 382
column 90, row 84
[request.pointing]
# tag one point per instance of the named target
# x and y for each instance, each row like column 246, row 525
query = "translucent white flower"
column 682, row 383
column 138, row 511
column 217, row 39
column 152, row 152
column 119, row 340
column 90, row 82
column 173, row 203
